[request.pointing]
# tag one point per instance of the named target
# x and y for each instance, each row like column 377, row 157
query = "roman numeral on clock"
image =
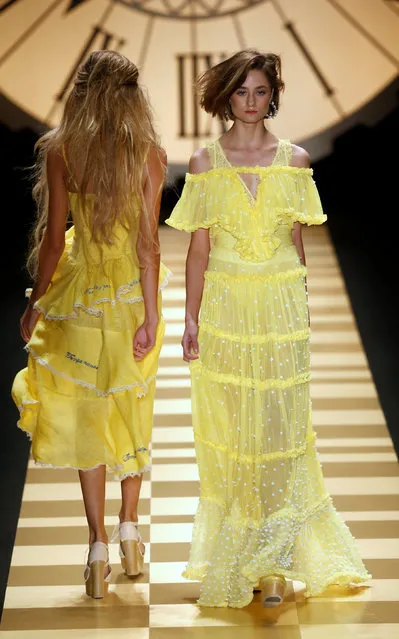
column 5, row 4
column 193, row 123
column 99, row 38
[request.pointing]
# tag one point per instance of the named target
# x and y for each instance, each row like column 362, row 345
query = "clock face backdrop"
column 337, row 55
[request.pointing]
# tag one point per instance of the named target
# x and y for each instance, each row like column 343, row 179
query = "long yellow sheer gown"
column 263, row 506
column 83, row 399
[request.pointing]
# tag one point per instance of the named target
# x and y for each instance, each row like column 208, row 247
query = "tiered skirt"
column 263, row 505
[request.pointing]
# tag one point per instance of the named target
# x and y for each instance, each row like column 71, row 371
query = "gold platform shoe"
column 131, row 548
column 273, row 589
column 97, row 573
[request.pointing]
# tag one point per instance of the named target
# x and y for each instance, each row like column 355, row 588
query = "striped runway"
column 45, row 592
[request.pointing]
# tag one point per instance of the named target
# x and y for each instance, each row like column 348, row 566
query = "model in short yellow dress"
column 83, row 399
column 264, row 509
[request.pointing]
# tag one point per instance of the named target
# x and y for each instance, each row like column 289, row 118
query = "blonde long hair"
column 107, row 130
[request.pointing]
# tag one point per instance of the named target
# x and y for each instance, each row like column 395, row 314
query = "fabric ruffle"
column 78, row 286
column 311, row 545
column 217, row 199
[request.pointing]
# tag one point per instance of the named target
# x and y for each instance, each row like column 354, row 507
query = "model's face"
column 250, row 102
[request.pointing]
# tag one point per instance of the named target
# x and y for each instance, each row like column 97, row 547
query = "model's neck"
column 248, row 136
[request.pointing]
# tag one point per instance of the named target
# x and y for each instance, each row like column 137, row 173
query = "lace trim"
column 143, row 470
column 232, row 170
column 292, row 453
column 121, row 290
column 301, row 271
column 110, row 469
column 80, row 382
column 248, row 382
column 296, row 336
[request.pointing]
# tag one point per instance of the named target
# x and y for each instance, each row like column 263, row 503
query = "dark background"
column 358, row 184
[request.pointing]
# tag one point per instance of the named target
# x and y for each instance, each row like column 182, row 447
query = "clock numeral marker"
column 192, row 123
column 99, row 38
column 5, row 4
column 36, row 24
column 73, row 4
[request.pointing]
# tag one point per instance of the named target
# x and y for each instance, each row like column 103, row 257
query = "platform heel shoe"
column 273, row 589
column 131, row 548
column 97, row 573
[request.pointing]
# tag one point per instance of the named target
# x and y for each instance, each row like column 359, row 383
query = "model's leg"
column 93, row 489
column 130, row 487
column 98, row 569
column 131, row 545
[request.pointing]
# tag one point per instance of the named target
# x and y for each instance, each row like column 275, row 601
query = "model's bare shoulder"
column 200, row 161
column 300, row 157
column 156, row 155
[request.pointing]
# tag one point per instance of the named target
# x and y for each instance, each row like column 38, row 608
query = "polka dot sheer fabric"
column 263, row 506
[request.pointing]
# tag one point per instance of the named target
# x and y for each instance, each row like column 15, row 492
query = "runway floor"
column 45, row 595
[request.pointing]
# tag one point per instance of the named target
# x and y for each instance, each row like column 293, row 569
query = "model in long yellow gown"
column 83, row 399
column 263, row 507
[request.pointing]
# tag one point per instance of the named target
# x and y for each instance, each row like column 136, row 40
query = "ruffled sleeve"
column 194, row 208
column 309, row 209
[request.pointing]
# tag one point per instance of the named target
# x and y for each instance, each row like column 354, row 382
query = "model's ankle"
column 99, row 535
column 128, row 516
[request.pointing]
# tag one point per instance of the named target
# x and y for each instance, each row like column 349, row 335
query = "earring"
column 229, row 111
column 272, row 112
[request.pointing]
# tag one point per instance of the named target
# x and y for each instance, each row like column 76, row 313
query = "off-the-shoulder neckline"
column 251, row 169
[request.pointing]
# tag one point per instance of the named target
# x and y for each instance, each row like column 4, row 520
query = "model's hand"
column 144, row 340
column 190, row 341
column 28, row 322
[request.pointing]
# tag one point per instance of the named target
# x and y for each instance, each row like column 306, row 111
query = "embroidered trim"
column 128, row 456
column 197, row 368
column 115, row 389
column 121, row 290
column 292, row 453
column 296, row 336
column 299, row 272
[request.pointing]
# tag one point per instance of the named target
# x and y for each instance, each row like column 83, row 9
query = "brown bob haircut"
column 216, row 85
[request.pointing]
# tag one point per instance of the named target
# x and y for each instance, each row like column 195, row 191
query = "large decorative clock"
column 337, row 55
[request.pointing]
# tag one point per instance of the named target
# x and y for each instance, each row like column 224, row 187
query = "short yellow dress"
column 263, row 505
column 83, row 399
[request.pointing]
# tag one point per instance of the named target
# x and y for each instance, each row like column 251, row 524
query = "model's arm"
column 196, row 263
column 300, row 159
column 53, row 241
column 148, row 252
